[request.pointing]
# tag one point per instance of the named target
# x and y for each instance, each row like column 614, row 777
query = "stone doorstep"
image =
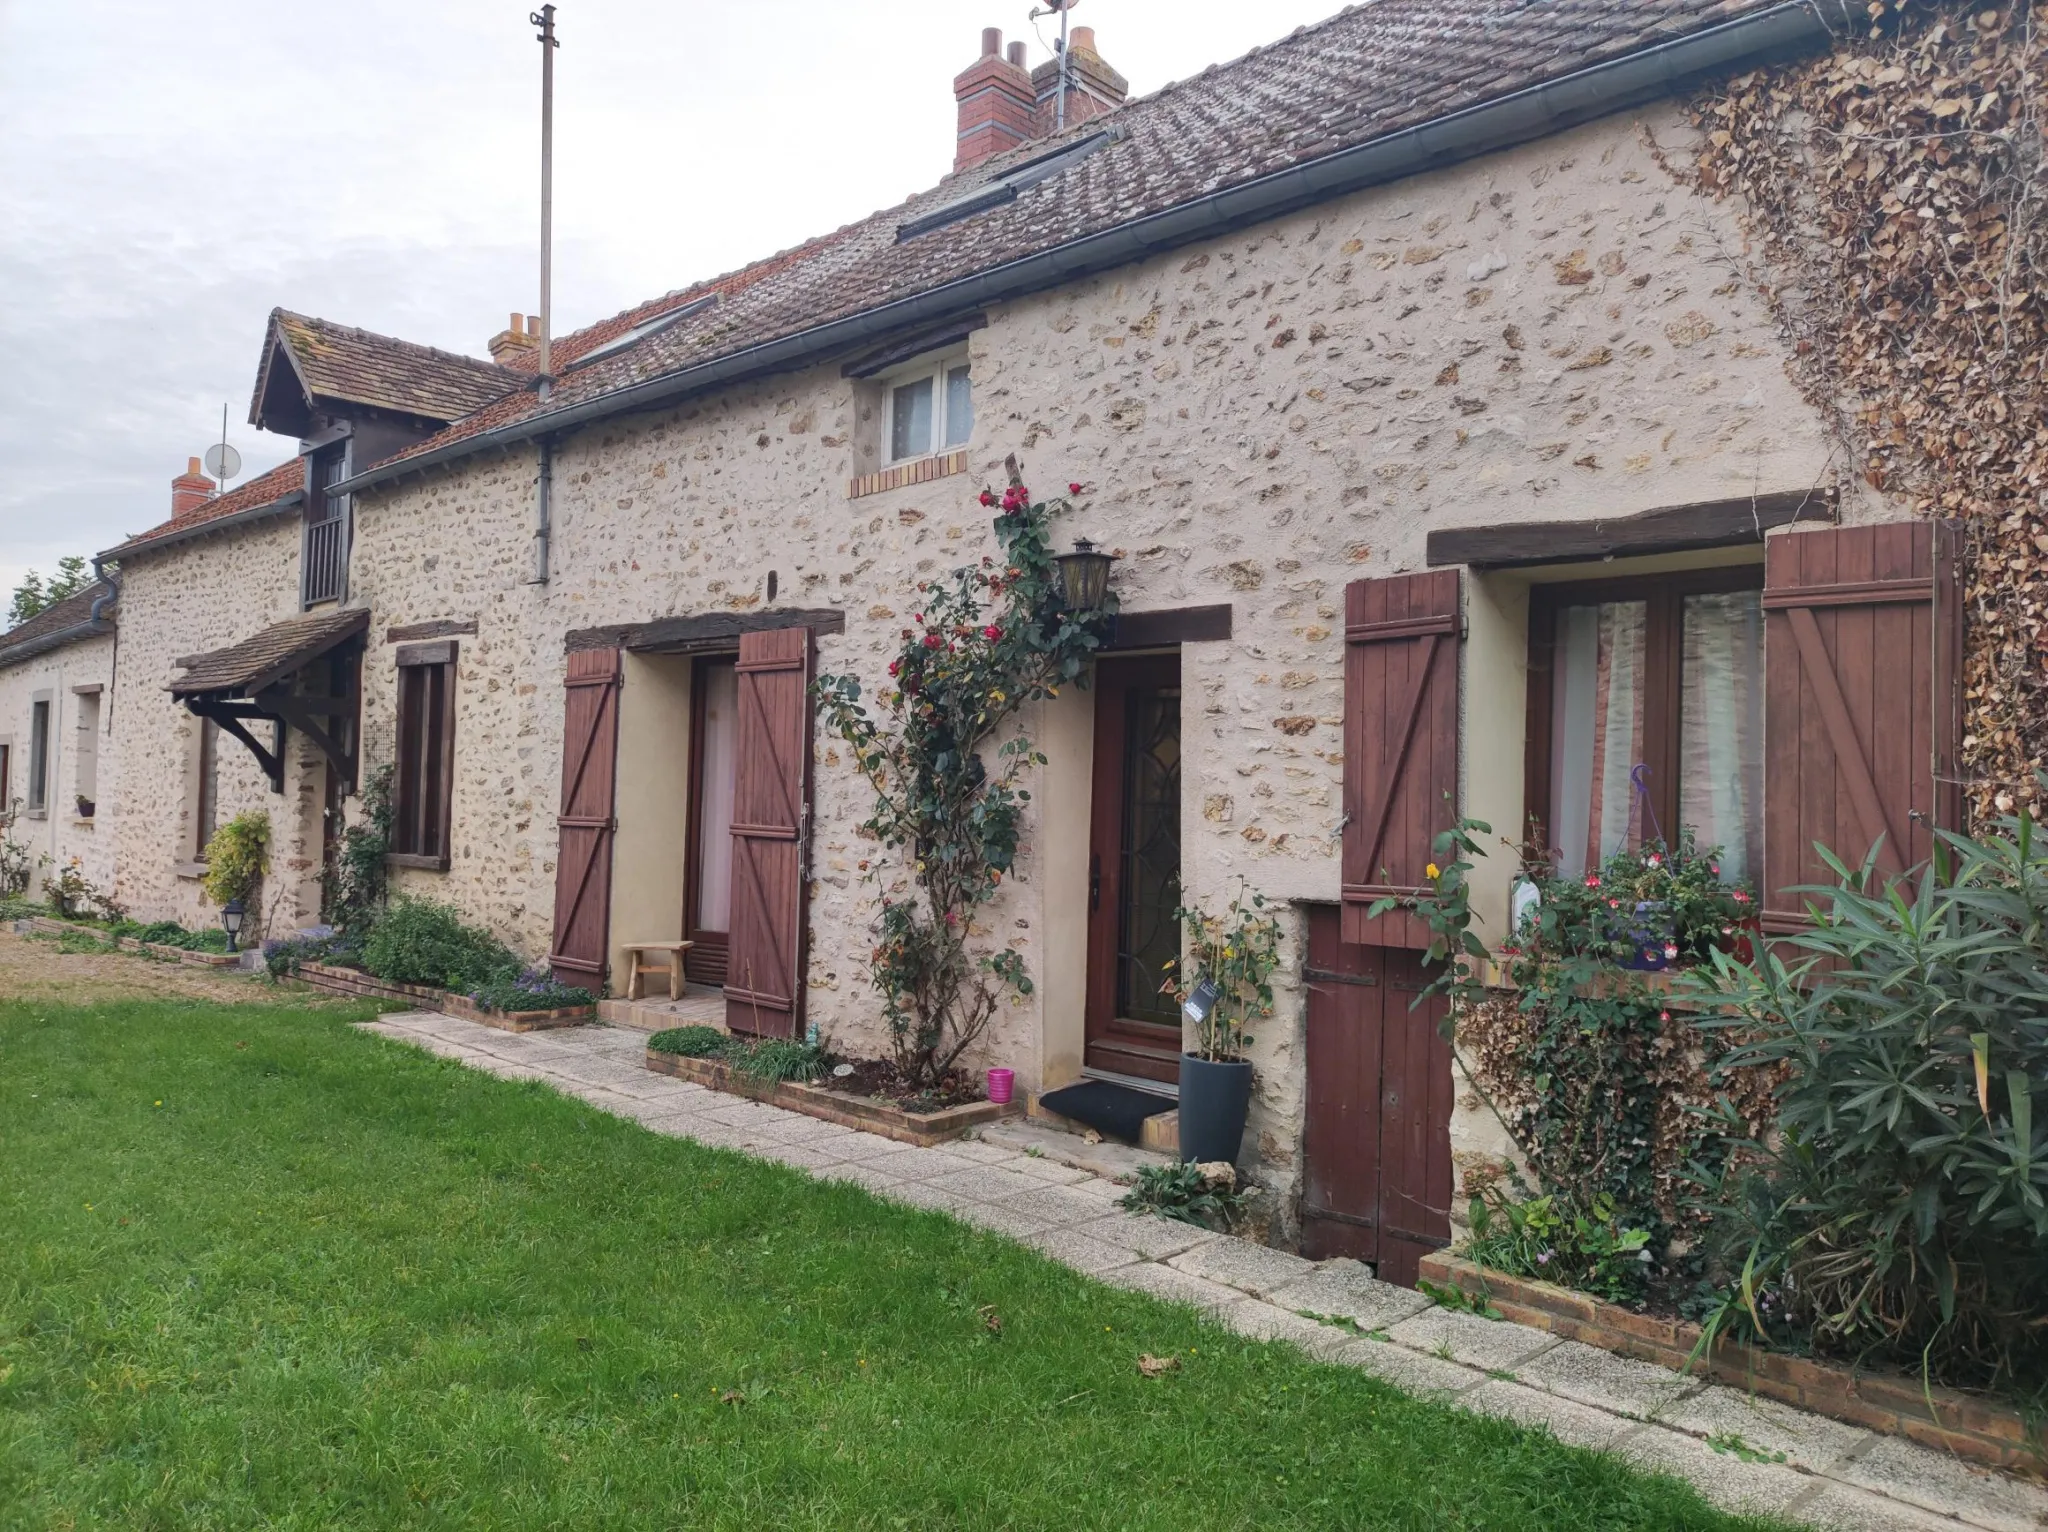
column 1968, row 1426
column 920, row 1129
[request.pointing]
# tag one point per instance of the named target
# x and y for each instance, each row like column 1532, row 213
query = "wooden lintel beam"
column 1672, row 529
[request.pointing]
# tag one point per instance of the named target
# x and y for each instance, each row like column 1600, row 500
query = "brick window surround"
column 918, row 471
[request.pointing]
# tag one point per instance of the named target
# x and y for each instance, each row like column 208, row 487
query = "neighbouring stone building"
column 1448, row 453
column 55, row 739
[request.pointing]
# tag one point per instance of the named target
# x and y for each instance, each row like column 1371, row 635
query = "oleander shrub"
column 1897, row 1204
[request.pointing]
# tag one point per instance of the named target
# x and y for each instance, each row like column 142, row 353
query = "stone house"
column 55, row 740
column 1448, row 458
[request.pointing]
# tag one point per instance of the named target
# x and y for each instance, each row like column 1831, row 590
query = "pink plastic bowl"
column 1000, row 1083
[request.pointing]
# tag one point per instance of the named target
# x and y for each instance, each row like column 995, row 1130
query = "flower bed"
column 161, row 950
column 1968, row 1425
column 353, row 981
column 891, row 1121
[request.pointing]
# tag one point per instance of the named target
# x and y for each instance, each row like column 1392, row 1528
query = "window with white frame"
column 930, row 407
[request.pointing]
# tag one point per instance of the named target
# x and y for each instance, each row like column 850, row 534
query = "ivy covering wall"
column 1894, row 190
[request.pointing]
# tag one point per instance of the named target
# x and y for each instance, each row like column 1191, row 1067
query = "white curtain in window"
column 1596, row 732
column 1721, row 729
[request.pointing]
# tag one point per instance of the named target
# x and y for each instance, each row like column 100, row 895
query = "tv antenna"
column 222, row 461
column 1059, row 8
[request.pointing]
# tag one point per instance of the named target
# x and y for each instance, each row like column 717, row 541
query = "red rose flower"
column 993, row 632
column 933, row 641
column 1073, row 489
column 987, row 498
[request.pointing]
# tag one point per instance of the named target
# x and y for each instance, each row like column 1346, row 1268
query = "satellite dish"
column 223, row 462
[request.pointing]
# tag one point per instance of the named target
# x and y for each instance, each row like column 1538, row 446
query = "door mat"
column 1114, row 1111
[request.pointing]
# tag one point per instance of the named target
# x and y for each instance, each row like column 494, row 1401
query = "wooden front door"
column 1134, row 869
column 707, row 880
column 1377, row 1147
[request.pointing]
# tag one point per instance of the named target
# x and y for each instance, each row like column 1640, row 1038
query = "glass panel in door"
column 711, row 798
column 1148, row 938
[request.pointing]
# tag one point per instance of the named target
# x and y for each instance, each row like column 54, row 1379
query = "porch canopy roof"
column 266, row 676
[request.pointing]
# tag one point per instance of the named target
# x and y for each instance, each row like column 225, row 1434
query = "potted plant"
column 1224, row 981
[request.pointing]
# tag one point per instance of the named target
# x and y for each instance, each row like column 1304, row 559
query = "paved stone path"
column 1743, row 1453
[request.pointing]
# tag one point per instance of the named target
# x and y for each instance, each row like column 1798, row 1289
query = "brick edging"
column 1966, row 1424
column 349, row 981
column 923, row 1129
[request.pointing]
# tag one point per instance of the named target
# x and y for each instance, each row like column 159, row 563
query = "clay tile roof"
column 283, row 486
column 1367, row 73
column 268, row 656
column 40, row 631
column 341, row 362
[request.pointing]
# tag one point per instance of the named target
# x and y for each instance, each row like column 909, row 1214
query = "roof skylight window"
column 647, row 327
column 1004, row 188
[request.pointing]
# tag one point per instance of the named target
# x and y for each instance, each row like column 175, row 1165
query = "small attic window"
column 1004, row 188
column 645, row 328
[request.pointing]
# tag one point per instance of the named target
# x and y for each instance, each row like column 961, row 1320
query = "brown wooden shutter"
column 1862, row 701
column 1400, row 743
column 583, row 855
column 770, row 818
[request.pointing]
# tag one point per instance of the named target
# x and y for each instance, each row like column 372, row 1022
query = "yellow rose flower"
column 1431, row 872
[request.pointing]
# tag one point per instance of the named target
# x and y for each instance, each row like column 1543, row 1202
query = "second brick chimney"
column 517, row 345
column 998, row 103
column 190, row 490
column 1092, row 86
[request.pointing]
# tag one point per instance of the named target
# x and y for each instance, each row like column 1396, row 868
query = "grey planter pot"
column 1215, row 1100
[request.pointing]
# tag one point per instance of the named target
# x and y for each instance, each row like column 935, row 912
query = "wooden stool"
column 637, row 970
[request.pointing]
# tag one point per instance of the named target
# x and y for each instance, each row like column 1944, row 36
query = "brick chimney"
column 517, row 346
column 190, row 490
column 1092, row 86
column 997, row 102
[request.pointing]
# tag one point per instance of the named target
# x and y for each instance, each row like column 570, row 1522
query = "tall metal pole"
column 544, row 18
column 1060, row 109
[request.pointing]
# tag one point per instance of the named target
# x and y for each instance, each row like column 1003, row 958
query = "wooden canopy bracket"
column 302, row 712
column 229, row 716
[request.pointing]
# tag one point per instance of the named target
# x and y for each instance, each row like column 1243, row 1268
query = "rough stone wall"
column 1553, row 332
column 186, row 600
column 59, row 833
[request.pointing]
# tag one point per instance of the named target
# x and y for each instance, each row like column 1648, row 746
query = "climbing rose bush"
column 986, row 641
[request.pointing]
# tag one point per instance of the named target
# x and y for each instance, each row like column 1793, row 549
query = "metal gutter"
column 92, row 627
column 278, row 507
column 1600, row 90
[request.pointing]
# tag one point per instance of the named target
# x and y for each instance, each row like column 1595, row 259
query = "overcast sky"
column 171, row 172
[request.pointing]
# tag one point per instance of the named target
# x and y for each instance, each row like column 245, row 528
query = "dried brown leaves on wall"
column 1895, row 191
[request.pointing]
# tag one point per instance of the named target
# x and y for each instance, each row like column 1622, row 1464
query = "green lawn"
column 258, row 1269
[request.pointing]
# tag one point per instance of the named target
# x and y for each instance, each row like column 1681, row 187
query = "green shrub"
column 690, row 1042
column 1591, row 1251
column 419, row 941
column 15, row 908
column 168, row 933
column 237, row 857
column 316, row 944
column 1899, row 1203
column 774, row 1059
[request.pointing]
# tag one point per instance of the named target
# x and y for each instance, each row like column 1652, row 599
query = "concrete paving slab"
column 872, row 1148
column 1426, row 1377
column 1238, row 1263
column 998, row 1218
column 980, row 1151
column 1589, row 1375
column 1759, row 1489
column 1807, row 1440
column 1212, row 1298
column 1347, row 1289
column 1491, row 1344
column 861, row 1174
column 1153, row 1238
column 984, row 1183
column 1056, row 1205
column 921, row 1164
column 1842, row 1509
column 796, row 1156
column 1568, row 1421
column 1259, row 1320
column 1072, row 1248
column 925, row 1195
column 1052, row 1172
column 1934, row 1481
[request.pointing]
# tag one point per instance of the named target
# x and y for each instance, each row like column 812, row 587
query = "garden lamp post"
column 231, row 922
column 1084, row 577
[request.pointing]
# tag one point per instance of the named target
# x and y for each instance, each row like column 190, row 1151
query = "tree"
column 32, row 596
column 990, row 639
